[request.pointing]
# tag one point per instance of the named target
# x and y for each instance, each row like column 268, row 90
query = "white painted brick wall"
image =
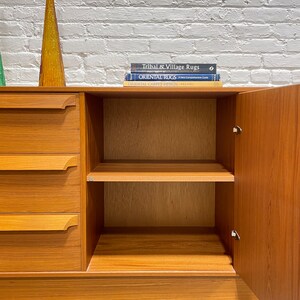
column 254, row 42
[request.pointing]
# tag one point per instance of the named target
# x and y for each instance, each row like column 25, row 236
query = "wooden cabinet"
column 134, row 193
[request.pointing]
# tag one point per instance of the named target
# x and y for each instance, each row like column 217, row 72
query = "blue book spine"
column 171, row 77
column 168, row 68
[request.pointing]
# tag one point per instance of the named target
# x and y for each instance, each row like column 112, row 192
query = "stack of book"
column 177, row 75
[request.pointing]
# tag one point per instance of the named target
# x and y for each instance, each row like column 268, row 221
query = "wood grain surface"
column 83, row 184
column 40, row 191
column 159, row 129
column 37, row 162
column 40, row 251
column 137, row 91
column 94, row 131
column 225, row 147
column 37, row 222
column 267, row 192
column 216, row 288
column 39, row 131
column 37, row 101
column 94, row 218
column 160, row 172
column 159, row 204
column 132, row 251
column 93, row 207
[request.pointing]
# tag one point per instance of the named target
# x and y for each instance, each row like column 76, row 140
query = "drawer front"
column 30, row 243
column 39, row 123
column 40, row 190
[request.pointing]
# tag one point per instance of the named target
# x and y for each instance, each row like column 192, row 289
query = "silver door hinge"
column 237, row 130
column 235, row 235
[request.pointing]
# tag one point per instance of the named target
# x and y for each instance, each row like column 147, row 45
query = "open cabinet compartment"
column 160, row 183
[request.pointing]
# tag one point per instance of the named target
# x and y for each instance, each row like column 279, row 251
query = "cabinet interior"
column 160, row 183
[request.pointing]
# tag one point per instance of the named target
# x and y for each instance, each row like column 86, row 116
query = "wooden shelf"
column 37, row 222
column 37, row 162
column 160, row 172
column 187, row 251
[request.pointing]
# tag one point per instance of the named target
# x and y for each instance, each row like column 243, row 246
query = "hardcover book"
column 171, row 77
column 203, row 84
column 173, row 68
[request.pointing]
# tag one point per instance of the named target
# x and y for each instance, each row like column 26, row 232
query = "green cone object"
column 2, row 76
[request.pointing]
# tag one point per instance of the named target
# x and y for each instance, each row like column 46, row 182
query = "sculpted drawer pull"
column 37, row 162
column 38, row 222
column 37, row 101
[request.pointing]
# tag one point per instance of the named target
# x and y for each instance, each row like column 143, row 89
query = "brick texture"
column 254, row 42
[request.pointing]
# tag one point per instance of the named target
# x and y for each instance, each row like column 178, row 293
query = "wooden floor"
column 189, row 251
column 214, row 288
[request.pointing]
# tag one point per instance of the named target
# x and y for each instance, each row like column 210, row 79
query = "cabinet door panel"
column 267, row 192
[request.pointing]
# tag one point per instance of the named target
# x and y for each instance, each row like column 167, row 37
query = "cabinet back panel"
column 159, row 129
column 159, row 204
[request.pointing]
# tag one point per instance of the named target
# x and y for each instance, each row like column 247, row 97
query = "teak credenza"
column 150, row 193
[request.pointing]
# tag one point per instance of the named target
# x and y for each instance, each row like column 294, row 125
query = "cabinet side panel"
column 225, row 140
column 267, row 192
column 94, row 205
column 94, row 131
column 95, row 216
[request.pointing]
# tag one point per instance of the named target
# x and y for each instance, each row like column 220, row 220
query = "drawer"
column 47, row 242
column 39, row 183
column 39, row 123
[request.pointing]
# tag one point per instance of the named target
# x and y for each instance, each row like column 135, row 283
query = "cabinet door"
column 267, row 192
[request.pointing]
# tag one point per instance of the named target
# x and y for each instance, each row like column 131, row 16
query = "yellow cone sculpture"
column 52, row 68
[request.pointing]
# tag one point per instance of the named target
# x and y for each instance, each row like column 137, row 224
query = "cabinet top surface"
column 110, row 91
